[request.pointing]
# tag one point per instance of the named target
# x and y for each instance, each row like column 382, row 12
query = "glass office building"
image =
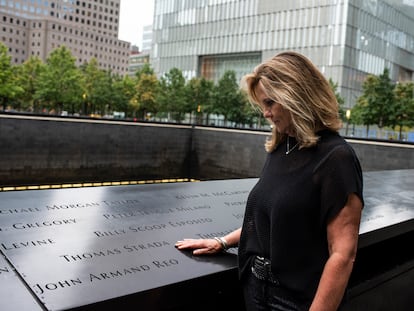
column 346, row 39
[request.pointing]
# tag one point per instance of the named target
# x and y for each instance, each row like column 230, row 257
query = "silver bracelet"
column 223, row 243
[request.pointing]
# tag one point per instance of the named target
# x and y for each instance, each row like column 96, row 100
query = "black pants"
column 260, row 295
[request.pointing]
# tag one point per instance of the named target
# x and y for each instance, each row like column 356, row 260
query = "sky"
column 133, row 16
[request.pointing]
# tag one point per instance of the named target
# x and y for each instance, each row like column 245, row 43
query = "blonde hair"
column 291, row 80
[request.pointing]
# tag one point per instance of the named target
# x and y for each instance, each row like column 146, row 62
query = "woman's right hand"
column 200, row 246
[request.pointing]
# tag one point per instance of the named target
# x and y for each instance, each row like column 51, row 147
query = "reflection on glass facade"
column 346, row 39
column 213, row 67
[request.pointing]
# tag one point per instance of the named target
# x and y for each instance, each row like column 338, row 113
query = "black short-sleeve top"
column 287, row 211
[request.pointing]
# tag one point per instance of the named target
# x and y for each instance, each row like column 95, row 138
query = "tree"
column 92, row 77
column 9, row 88
column 251, row 113
column 146, row 92
column 339, row 99
column 228, row 100
column 124, row 90
column 403, row 114
column 384, row 105
column 145, row 69
column 377, row 101
column 172, row 93
column 199, row 96
column 242, row 112
column 60, row 83
column 99, row 92
column 357, row 113
column 361, row 112
column 104, row 93
column 29, row 73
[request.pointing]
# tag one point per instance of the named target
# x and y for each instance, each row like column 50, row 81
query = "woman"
column 299, row 236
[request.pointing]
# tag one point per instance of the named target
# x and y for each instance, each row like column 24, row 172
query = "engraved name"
column 228, row 193
column 216, row 194
column 121, row 202
column 26, row 244
column 240, row 203
column 106, row 275
column 135, row 229
column 152, row 227
column 46, row 223
column 151, row 212
column 115, row 251
column 71, row 206
column 19, row 210
column 91, row 204
column 117, row 273
column 101, row 234
column 189, row 222
column 211, row 235
column 40, row 289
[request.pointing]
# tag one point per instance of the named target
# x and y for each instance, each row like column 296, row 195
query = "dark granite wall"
column 234, row 153
column 38, row 151
column 222, row 154
column 41, row 150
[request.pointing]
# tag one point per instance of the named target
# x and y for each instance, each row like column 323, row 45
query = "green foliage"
column 251, row 113
column 199, row 96
column 60, row 84
column 357, row 113
column 384, row 103
column 102, row 90
column 229, row 101
column 403, row 114
column 376, row 104
column 145, row 69
column 172, row 94
column 404, row 105
column 339, row 99
column 146, row 91
column 28, row 80
column 122, row 89
column 9, row 88
column 125, row 91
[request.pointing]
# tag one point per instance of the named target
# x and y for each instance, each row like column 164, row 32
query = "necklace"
column 289, row 150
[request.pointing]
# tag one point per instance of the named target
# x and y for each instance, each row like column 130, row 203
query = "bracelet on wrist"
column 223, row 243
